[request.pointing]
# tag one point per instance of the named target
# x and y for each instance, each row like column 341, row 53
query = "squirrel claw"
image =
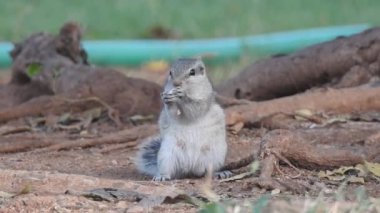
column 160, row 178
column 172, row 96
column 223, row 174
column 169, row 98
column 178, row 92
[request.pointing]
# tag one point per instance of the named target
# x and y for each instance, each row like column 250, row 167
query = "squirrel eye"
column 192, row 72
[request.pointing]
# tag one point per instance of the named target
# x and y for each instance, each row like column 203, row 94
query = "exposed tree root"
column 240, row 163
column 123, row 136
column 46, row 105
column 294, row 147
column 331, row 100
column 18, row 144
column 266, row 181
column 8, row 130
column 301, row 149
column 225, row 101
column 343, row 62
column 21, row 144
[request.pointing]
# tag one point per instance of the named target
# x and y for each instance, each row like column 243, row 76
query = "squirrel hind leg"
column 146, row 160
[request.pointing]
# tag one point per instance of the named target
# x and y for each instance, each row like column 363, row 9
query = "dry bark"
column 348, row 100
column 344, row 62
column 360, row 137
column 295, row 147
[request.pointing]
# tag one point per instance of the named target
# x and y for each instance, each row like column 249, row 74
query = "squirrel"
column 192, row 135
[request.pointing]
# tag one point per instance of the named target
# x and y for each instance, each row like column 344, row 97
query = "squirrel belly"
column 186, row 150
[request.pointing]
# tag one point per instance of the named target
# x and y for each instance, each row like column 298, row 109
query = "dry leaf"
column 353, row 179
column 112, row 194
column 26, row 190
column 237, row 177
column 94, row 113
column 306, row 114
column 236, row 127
column 303, row 113
column 275, row 191
column 7, row 130
column 374, row 168
column 5, row 195
column 352, row 174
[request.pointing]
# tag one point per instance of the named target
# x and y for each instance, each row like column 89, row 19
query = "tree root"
column 45, row 144
column 331, row 100
column 344, row 62
column 8, row 130
column 298, row 149
column 225, row 101
column 21, row 144
column 45, row 105
column 123, row 136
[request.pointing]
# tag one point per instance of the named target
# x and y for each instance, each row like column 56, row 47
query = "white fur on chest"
column 195, row 146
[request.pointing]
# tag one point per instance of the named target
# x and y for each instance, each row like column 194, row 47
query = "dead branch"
column 123, row 136
column 301, row 152
column 330, row 100
column 351, row 134
column 345, row 61
column 8, row 130
column 46, row 105
column 240, row 163
column 225, row 101
column 21, row 144
column 44, row 143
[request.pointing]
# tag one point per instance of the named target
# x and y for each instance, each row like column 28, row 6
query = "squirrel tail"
column 146, row 159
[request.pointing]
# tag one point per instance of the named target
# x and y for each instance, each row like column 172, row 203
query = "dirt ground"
column 70, row 131
column 54, row 181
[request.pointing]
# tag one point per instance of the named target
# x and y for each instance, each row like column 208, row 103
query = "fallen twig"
column 44, row 143
column 7, row 130
column 45, row 105
column 123, row 136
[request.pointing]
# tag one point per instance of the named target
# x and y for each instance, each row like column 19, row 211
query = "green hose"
column 136, row 52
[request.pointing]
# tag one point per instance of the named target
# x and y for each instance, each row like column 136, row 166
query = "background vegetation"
column 105, row 19
column 133, row 19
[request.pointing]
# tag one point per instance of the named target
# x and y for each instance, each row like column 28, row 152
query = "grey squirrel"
column 192, row 127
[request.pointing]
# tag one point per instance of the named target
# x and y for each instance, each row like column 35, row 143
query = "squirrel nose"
column 177, row 83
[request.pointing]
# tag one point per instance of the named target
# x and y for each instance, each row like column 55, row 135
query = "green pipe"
column 136, row 52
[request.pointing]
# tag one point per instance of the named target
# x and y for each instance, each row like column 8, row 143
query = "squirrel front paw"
column 159, row 178
column 173, row 95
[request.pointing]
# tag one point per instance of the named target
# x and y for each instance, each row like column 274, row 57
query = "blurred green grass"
column 132, row 19
column 105, row 19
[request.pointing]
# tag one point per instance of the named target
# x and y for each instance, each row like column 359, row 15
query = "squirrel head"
column 190, row 75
